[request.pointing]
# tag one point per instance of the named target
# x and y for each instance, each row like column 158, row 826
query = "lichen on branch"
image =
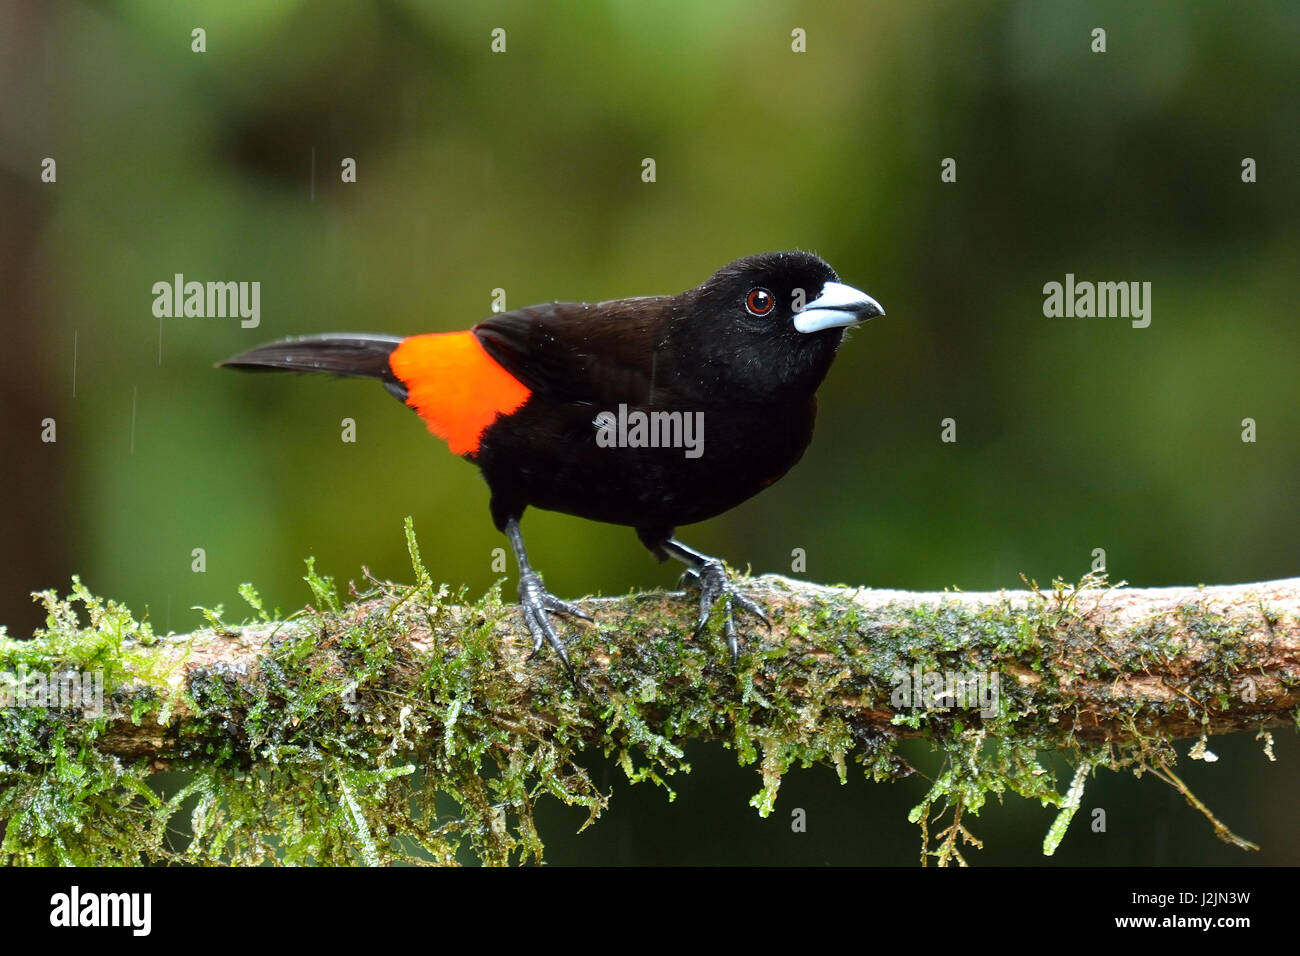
column 411, row 724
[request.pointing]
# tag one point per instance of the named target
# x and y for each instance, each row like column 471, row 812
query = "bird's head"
column 772, row 322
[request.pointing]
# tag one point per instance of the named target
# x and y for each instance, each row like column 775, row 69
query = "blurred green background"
column 522, row 170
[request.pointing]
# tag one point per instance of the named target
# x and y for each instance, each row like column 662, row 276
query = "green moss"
column 343, row 745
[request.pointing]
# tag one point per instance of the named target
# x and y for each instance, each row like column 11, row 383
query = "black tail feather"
column 354, row 354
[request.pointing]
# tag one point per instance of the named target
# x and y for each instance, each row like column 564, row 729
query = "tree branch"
column 1105, row 663
column 406, row 680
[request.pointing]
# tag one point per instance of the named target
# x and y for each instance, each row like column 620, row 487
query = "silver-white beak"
column 838, row 306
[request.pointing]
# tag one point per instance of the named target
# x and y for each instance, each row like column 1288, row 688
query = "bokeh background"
column 522, row 170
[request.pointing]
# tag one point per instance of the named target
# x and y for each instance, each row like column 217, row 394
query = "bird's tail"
column 357, row 354
column 446, row 377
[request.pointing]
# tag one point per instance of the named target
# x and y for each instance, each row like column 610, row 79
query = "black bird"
column 651, row 412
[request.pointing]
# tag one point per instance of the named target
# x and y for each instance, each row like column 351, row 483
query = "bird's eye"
column 759, row 302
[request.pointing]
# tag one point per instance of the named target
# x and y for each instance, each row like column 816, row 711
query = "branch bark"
column 1095, row 663
column 338, row 736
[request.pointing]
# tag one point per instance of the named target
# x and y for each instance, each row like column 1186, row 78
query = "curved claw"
column 714, row 583
column 535, row 601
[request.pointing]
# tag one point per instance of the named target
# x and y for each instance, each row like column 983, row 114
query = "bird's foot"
column 711, row 578
column 535, row 601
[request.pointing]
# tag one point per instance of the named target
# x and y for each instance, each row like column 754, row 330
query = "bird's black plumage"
column 741, row 355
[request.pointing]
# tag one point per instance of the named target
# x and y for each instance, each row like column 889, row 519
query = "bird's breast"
column 642, row 465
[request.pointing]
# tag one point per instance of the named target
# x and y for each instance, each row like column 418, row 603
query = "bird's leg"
column 535, row 600
column 714, row 583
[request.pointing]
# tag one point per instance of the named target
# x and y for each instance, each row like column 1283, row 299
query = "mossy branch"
column 327, row 737
column 1112, row 665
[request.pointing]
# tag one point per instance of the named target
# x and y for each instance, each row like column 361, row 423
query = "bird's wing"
column 582, row 352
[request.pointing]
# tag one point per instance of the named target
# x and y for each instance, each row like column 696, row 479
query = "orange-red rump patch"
column 455, row 386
